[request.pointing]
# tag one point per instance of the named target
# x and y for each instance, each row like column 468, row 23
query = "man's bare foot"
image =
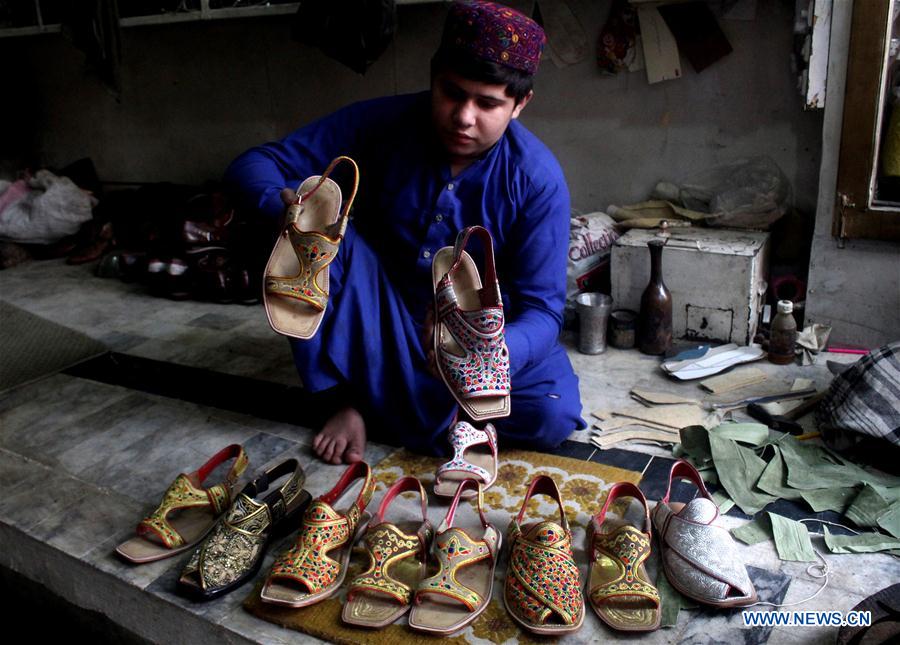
column 343, row 439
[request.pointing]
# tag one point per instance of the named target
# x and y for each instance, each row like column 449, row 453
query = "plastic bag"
column 749, row 193
column 53, row 208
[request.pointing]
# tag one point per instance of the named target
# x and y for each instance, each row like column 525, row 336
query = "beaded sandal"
column 618, row 587
column 233, row 551
column 397, row 552
column 467, row 462
column 295, row 289
column 187, row 511
column 461, row 589
column 469, row 345
column 699, row 556
column 543, row 590
column 315, row 566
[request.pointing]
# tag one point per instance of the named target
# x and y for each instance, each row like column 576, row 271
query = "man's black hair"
column 518, row 83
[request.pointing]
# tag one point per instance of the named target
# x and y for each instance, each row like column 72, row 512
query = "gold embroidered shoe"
column 461, row 589
column 187, row 511
column 397, row 553
column 315, row 566
column 618, row 586
column 233, row 552
column 295, row 289
column 543, row 589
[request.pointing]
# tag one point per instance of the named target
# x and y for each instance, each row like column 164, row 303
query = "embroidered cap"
column 494, row 33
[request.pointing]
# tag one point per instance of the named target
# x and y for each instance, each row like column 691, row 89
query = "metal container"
column 622, row 328
column 593, row 313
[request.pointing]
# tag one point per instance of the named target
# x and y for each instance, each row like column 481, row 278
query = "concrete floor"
column 81, row 460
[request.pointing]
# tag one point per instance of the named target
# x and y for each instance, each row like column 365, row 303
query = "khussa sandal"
column 543, row 588
column 618, row 586
column 699, row 557
column 187, row 511
column 474, row 457
column 469, row 345
column 315, row 566
column 233, row 552
column 397, row 553
column 295, row 290
column 461, row 589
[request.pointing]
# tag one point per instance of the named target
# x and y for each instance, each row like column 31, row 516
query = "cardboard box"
column 717, row 278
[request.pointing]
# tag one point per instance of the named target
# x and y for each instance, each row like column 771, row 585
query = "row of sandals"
column 443, row 578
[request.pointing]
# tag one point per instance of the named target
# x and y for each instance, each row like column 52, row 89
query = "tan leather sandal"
column 397, row 553
column 461, row 589
column 187, row 511
column 314, row 568
column 295, row 289
column 619, row 589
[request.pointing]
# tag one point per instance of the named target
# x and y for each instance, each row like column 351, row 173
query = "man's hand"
column 288, row 196
column 428, row 342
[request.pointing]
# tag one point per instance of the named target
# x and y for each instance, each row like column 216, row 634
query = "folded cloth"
column 862, row 401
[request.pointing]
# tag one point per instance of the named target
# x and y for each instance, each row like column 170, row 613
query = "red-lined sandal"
column 315, row 566
column 618, row 587
column 699, row 556
column 187, row 511
column 474, row 457
column 397, row 556
column 461, row 589
column 469, row 345
column 295, row 289
column 543, row 588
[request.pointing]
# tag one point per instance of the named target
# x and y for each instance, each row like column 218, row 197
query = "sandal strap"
column 315, row 250
column 618, row 490
column 490, row 292
column 182, row 493
column 454, row 549
column 325, row 529
column 463, row 436
column 542, row 485
column 628, row 547
column 386, row 545
column 683, row 469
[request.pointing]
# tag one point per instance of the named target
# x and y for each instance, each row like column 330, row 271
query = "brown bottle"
column 655, row 324
column 783, row 334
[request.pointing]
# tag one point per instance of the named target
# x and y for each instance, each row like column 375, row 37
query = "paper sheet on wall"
column 660, row 51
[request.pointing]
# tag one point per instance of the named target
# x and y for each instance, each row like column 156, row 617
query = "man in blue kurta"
column 430, row 165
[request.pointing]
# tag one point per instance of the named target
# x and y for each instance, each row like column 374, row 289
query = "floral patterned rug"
column 583, row 486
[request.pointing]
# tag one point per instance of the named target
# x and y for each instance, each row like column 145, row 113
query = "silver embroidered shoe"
column 699, row 557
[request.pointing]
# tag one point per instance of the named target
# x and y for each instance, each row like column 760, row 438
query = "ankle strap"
column 451, row 512
column 403, row 485
column 234, row 451
column 623, row 489
column 355, row 471
column 490, row 290
column 543, row 485
column 683, row 469
column 349, row 202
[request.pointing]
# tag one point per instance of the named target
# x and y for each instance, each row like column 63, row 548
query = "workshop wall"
column 196, row 94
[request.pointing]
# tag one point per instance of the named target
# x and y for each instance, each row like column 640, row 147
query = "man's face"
column 470, row 116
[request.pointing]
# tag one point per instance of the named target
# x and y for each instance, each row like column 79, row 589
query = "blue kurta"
column 407, row 208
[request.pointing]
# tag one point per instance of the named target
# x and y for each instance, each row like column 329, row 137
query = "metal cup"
column 593, row 312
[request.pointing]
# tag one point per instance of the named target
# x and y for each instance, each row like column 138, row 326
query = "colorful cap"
column 494, row 33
